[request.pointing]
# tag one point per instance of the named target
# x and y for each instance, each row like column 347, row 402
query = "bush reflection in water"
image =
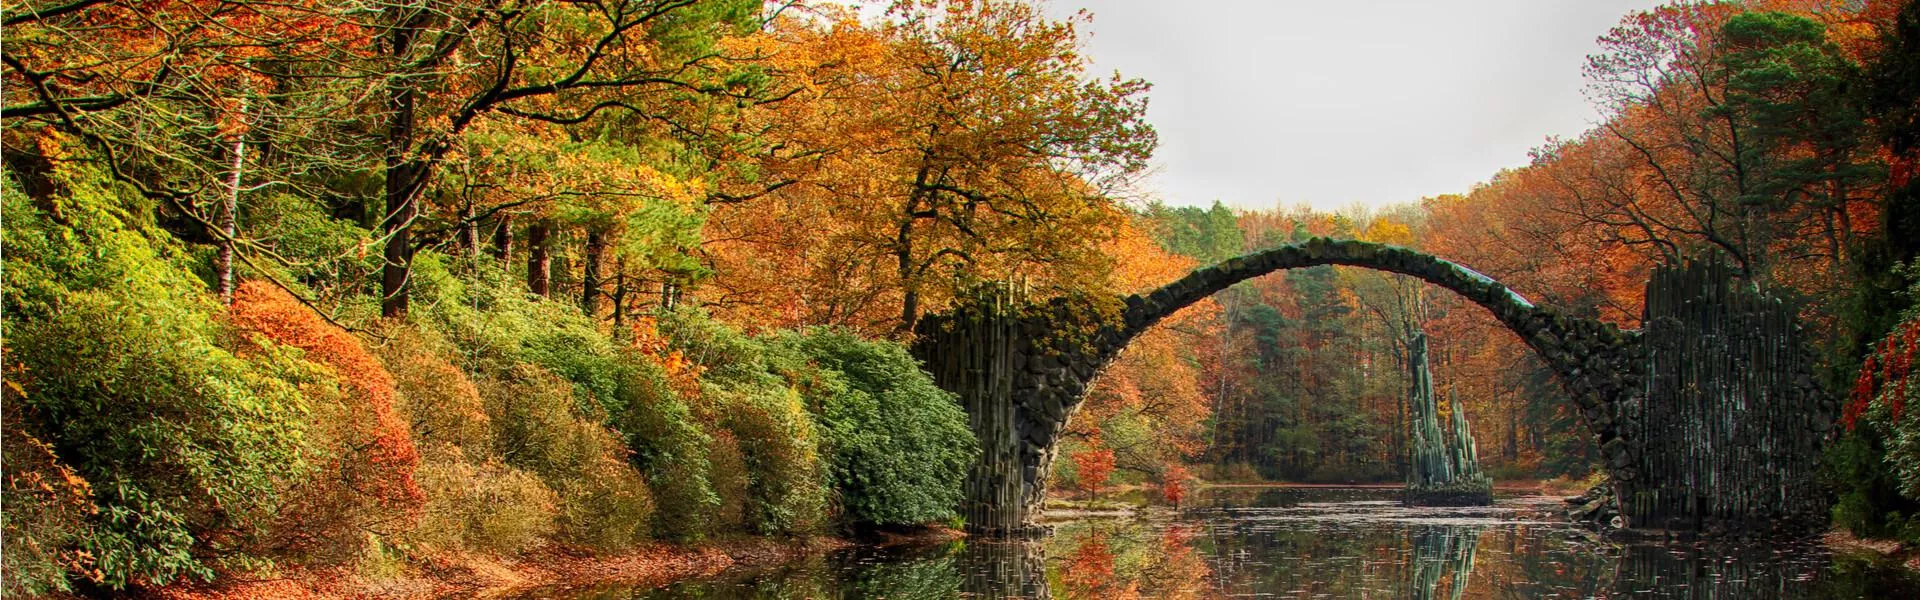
column 1309, row 543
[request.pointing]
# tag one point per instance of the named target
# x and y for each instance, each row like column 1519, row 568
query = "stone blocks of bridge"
column 1021, row 370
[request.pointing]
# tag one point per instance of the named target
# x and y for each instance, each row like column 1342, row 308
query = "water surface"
column 1307, row 543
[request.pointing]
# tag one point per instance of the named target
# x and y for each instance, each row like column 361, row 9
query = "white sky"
column 1332, row 103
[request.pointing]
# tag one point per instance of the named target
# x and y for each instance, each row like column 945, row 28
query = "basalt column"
column 1733, row 418
column 1443, row 472
column 1020, row 370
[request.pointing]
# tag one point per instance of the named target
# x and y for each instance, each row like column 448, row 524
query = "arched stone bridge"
column 1023, row 369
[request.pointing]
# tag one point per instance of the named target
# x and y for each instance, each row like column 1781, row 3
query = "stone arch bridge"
column 1708, row 417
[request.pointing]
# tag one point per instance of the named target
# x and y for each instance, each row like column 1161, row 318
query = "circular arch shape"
column 1513, row 311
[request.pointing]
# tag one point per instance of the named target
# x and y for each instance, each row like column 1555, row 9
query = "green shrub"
column 785, row 493
column 603, row 503
column 553, row 384
column 896, row 445
column 124, row 377
column 671, row 450
column 730, row 481
column 1870, row 503
column 762, row 419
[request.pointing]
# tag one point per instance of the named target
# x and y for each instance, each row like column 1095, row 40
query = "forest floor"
column 478, row 576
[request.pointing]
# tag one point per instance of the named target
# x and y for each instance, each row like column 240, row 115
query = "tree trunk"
column 405, row 176
column 619, row 292
column 229, row 220
column 503, row 238
column 590, row 274
column 539, row 262
column 468, row 234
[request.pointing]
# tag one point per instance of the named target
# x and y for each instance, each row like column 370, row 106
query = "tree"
column 553, row 62
column 1732, row 131
column 218, row 77
column 960, row 139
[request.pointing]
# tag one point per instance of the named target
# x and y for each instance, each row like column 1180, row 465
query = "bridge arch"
column 1022, row 370
column 1566, row 343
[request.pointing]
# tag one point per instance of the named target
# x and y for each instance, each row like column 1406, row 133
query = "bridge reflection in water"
column 1307, row 543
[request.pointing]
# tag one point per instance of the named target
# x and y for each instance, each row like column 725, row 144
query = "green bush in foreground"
column 896, row 446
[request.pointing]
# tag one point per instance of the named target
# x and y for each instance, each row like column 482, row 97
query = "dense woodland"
column 365, row 283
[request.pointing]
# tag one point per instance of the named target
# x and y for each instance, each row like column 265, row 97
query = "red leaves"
column 1089, row 570
column 373, row 451
column 1094, row 468
column 1173, row 483
column 1885, row 374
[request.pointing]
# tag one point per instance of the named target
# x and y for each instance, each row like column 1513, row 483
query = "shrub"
column 671, row 450
column 897, row 446
column 608, row 509
column 729, row 478
column 502, row 328
column 367, row 450
column 756, row 414
column 486, row 506
column 603, row 502
column 120, row 375
column 785, row 493
column 436, row 399
column 48, row 506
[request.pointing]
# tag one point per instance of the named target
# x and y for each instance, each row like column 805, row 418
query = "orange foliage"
column 1179, row 571
column 1089, row 572
column 683, row 375
column 371, row 455
column 1094, row 467
column 1173, row 483
column 1159, row 379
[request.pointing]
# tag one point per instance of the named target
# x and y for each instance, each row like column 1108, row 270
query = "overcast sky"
column 1332, row 102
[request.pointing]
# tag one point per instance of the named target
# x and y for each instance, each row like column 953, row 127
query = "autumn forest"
column 361, row 286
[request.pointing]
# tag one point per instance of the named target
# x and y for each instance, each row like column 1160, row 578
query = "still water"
column 1308, row 543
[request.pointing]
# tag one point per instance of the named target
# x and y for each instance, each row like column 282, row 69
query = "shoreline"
column 481, row 576
column 1840, row 540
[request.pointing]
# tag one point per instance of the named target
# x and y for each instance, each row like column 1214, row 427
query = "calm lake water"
column 1308, row 543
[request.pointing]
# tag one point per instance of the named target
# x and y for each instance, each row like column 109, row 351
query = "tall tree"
column 959, row 139
column 1732, row 131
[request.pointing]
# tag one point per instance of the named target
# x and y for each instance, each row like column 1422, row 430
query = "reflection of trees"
column 931, row 577
column 1109, row 560
column 1118, row 563
column 1443, row 552
column 1088, row 572
column 1177, row 569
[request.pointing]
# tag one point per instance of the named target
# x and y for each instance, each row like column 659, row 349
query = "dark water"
column 1309, row 543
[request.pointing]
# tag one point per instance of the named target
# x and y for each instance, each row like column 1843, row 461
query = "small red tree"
column 1173, row 484
column 1094, row 468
